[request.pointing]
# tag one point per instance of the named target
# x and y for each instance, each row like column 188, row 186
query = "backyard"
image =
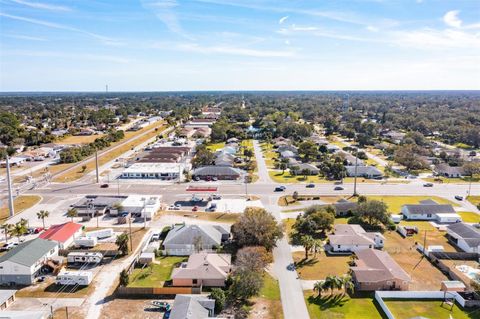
column 341, row 307
column 403, row 309
column 156, row 274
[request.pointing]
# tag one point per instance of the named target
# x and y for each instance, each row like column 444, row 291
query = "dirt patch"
column 132, row 309
column 266, row 309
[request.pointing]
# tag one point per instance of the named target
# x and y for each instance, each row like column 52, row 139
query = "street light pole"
column 11, row 207
column 355, row 175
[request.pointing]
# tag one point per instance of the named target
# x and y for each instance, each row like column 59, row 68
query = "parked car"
column 458, row 197
column 310, row 186
column 338, row 188
column 428, row 185
column 175, row 207
column 216, row 197
column 280, row 189
column 104, row 186
column 195, row 208
column 156, row 237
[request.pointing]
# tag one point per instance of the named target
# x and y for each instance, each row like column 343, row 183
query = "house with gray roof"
column 344, row 207
column 22, row 264
column 219, row 172
column 363, row 171
column 464, row 236
column 431, row 210
column 351, row 238
column 350, row 159
column 300, row 168
column 203, row 270
column 446, row 170
column 184, row 240
column 192, row 307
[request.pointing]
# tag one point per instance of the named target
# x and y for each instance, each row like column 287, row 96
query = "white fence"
column 438, row 295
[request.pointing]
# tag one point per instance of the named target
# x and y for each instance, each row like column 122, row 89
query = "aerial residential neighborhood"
column 239, row 159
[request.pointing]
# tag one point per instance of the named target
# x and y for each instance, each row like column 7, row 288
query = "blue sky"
column 161, row 45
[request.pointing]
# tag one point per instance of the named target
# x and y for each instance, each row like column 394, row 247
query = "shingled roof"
column 29, row 252
column 376, row 265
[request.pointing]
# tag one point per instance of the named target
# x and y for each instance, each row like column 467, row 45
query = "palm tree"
column 333, row 282
column 348, row 284
column 19, row 229
column 318, row 287
column 308, row 242
column 42, row 215
column 72, row 212
column 7, row 228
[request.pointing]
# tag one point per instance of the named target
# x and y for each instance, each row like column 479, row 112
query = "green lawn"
column 403, row 309
column 268, row 304
column 270, row 289
column 456, row 180
column 320, row 266
column 395, row 203
column 215, row 146
column 475, row 200
column 470, row 217
column 340, row 307
column 155, row 275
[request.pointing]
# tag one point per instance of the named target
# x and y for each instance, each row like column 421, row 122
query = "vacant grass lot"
column 215, row 146
column 20, row 204
column 475, row 200
column 268, row 304
column 395, row 203
column 403, row 309
column 444, row 180
column 320, row 266
column 340, row 307
column 79, row 139
column 424, row 275
column 470, row 217
column 156, row 274
column 214, row 217
column 137, row 138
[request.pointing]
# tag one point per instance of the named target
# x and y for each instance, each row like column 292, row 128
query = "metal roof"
column 29, row 252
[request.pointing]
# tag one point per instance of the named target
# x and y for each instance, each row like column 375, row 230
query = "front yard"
column 156, row 274
column 320, row 266
column 339, row 307
column 403, row 309
column 268, row 304
column 395, row 203
column 475, row 200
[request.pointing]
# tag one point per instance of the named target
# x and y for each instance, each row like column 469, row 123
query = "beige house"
column 203, row 270
column 376, row 270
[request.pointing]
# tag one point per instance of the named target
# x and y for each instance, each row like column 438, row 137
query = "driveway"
column 263, row 176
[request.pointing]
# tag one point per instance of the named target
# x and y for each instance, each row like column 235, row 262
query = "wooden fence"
column 155, row 291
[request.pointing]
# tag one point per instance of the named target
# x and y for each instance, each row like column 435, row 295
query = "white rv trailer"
column 87, row 242
column 101, row 233
column 84, row 257
column 81, row 278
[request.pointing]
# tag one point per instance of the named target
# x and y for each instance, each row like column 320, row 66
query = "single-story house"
column 350, row 158
column 63, row 234
column 184, row 240
column 201, row 122
column 376, row 270
column 430, row 210
column 288, row 154
column 344, row 207
column 352, row 238
column 141, row 205
column 300, row 167
column 192, row 307
column 291, row 148
column 220, row 172
column 90, row 204
column 7, row 297
column 203, row 270
column 446, row 170
column 22, row 264
column 464, row 236
column 363, row 171
column 394, row 136
column 13, row 161
column 224, row 159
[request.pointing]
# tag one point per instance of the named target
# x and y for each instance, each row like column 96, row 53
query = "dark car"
column 338, row 188
column 428, row 185
column 279, row 189
column 310, row 186
column 104, row 186
column 458, row 197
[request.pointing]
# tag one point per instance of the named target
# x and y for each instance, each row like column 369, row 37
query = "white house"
column 465, row 236
column 22, row 264
column 430, row 210
column 148, row 170
column 63, row 234
column 352, row 238
column 142, row 205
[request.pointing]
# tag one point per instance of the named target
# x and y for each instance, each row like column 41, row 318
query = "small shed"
column 7, row 297
column 396, row 218
column 146, row 258
column 452, row 285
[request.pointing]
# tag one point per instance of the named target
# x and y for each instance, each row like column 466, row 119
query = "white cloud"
column 303, row 28
column 372, row 28
column 25, row 37
column 165, row 11
column 430, row 39
column 66, row 55
column 41, row 5
column 53, row 25
column 451, row 19
column 282, row 19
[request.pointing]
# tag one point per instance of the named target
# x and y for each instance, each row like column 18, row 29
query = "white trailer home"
column 84, row 257
column 87, row 242
column 81, row 278
column 101, row 233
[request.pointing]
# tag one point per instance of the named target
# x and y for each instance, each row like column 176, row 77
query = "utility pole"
column 96, row 166
column 130, row 228
column 66, row 311
column 355, row 177
column 11, row 208
column 144, row 213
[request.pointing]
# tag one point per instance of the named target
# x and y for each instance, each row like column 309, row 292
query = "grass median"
column 20, row 204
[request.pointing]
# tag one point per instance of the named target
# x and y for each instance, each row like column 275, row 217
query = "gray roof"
column 29, row 252
column 423, row 209
column 302, row 166
column 192, row 307
column 444, row 168
column 99, row 201
column 470, row 234
column 186, row 235
column 363, row 171
column 343, row 206
column 216, row 171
